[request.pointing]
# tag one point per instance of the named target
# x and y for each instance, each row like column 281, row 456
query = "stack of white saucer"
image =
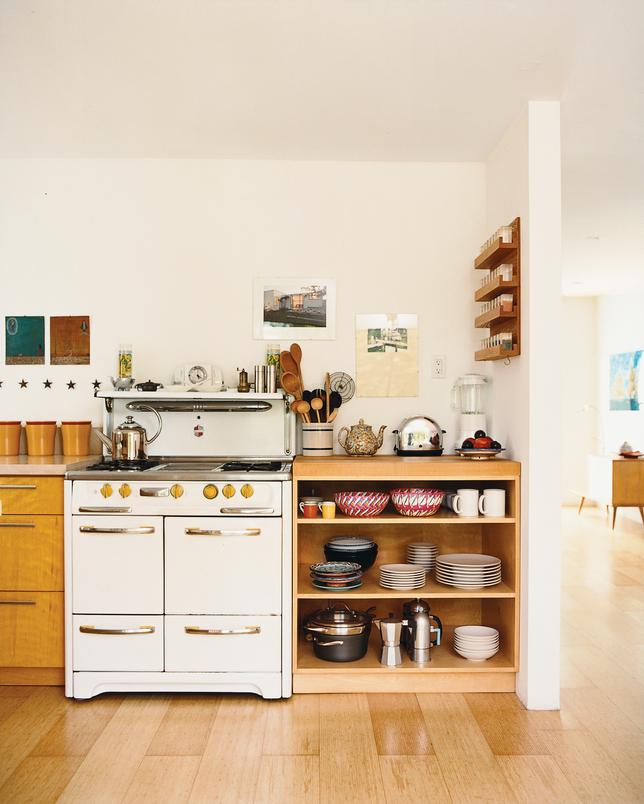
column 476, row 642
column 423, row 554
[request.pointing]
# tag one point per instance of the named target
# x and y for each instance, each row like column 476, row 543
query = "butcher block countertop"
column 42, row 465
column 393, row 467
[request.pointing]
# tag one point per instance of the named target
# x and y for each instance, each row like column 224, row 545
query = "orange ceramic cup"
column 76, row 437
column 9, row 438
column 41, row 438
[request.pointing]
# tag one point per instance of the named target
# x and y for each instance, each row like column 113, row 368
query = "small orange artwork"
column 69, row 340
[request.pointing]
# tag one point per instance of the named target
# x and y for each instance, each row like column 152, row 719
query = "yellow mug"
column 328, row 509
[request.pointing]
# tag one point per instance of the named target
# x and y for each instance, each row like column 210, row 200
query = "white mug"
column 492, row 502
column 466, row 502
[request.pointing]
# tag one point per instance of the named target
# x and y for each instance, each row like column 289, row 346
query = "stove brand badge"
column 198, row 430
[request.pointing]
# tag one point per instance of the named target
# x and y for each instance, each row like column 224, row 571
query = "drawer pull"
column 247, row 510
column 154, row 492
column 17, row 524
column 249, row 629
column 16, row 486
column 104, row 509
column 92, row 629
column 17, row 602
column 242, row 532
column 142, row 530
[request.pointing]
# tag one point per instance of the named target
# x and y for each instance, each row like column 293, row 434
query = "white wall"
column 524, row 178
column 162, row 254
column 580, row 413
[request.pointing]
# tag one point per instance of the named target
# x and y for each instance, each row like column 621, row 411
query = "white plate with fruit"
column 480, row 447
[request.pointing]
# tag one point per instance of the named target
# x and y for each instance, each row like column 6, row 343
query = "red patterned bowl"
column 362, row 503
column 417, row 502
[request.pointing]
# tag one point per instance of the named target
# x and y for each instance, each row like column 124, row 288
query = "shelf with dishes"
column 445, row 517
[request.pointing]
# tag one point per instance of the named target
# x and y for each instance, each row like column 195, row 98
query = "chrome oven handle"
column 104, row 509
column 16, row 486
column 240, row 510
column 249, row 629
column 154, row 492
column 92, row 629
column 142, row 530
column 17, row 524
column 241, row 532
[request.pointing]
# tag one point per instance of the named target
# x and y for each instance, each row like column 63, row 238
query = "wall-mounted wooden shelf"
column 495, row 319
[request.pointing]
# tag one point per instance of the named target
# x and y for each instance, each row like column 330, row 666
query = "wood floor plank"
column 106, row 772
column 349, row 767
column 622, row 740
column 506, row 725
column 537, row 780
column 21, row 730
column 288, row 779
column 465, row 758
column 413, row 779
column 16, row 691
column 185, row 728
column 8, row 706
column 293, row 727
column 76, row 731
column 589, row 769
column 160, row 779
column 398, row 725
column 230, row 765
column 39, row 779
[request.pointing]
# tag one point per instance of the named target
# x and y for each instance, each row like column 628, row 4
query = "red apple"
column 483, row 443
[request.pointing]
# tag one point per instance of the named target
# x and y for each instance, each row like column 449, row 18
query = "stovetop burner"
column 123, row 466
column 251, row 466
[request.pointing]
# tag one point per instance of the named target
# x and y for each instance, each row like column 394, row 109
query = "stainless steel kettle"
column 129, row 440
column 422, row 630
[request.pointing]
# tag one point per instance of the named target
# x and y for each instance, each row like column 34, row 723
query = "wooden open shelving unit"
column 497, row 606
column 497, row 321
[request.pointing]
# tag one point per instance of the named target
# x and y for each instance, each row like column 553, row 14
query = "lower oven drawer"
column 113, row 643
column 220, row 644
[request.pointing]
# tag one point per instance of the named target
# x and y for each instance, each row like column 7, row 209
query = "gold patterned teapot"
column 360, row 439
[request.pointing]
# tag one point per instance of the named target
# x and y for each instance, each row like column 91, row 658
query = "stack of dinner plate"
column 468, row 570
column 402, row 576
column 336, row 576
column 476, row 642
column 423, row 554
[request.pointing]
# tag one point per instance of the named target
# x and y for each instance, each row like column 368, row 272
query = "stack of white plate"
column 423, row 554
column 402, row 576
column 468, row 570
column 476, row 642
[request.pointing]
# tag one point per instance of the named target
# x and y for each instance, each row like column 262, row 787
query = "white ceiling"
column 429, row 80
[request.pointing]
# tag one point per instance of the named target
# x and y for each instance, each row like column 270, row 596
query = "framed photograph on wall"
column 298, row 309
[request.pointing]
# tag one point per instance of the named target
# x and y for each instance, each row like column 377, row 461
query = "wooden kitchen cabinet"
column 31, row 580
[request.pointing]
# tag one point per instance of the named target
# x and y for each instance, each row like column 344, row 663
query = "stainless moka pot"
column 422, row 630
column 390, row 631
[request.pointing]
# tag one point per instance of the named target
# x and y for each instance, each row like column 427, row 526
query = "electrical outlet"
column 438, row 367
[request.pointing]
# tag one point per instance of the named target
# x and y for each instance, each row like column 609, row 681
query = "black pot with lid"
column 338, row 633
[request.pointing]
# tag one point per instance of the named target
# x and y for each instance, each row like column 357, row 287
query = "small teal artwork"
column 25, row 340
column 624, row 385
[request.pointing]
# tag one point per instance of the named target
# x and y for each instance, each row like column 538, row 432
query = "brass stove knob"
column 228, row 491
column 106, row 490
column 125, row 490
column 247, row 490
column 177, row 491
column 210, row 491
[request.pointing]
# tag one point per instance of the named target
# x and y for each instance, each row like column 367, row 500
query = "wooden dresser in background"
column 31, row 580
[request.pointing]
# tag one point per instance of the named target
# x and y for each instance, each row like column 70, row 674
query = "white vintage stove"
column 178, row 569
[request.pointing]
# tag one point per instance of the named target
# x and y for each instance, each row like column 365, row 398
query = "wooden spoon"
column 296, row 354
column 303, row 409
column 291, row 384
column 317, row 404
column 327, row 393
column 334, row 413
column 288, row 364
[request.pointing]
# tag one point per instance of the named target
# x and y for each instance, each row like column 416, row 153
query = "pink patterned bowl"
column 362, row 503
column 417, row 502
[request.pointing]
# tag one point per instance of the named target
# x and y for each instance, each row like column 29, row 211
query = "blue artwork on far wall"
column 624, row 383
column 25, row 340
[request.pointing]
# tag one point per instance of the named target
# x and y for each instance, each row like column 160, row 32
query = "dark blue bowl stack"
column 359, row 549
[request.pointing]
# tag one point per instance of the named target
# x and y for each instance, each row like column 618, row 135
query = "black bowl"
column 365, row 558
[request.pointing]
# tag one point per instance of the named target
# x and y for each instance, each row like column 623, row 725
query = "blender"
column 468, row 399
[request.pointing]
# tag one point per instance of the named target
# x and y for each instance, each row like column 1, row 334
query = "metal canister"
column 260, row 379
column 271, row 379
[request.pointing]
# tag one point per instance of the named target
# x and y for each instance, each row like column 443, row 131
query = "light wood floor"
column 367, row 748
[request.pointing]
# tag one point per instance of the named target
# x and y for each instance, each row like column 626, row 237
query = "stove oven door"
column 223, row 565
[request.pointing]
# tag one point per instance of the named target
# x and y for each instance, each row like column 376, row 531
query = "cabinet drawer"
column 31, row 548
column 25, row 494
column 133, row 643
column 31, row 629
column 223, row 644
column 223, row 565
column 117, row 564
